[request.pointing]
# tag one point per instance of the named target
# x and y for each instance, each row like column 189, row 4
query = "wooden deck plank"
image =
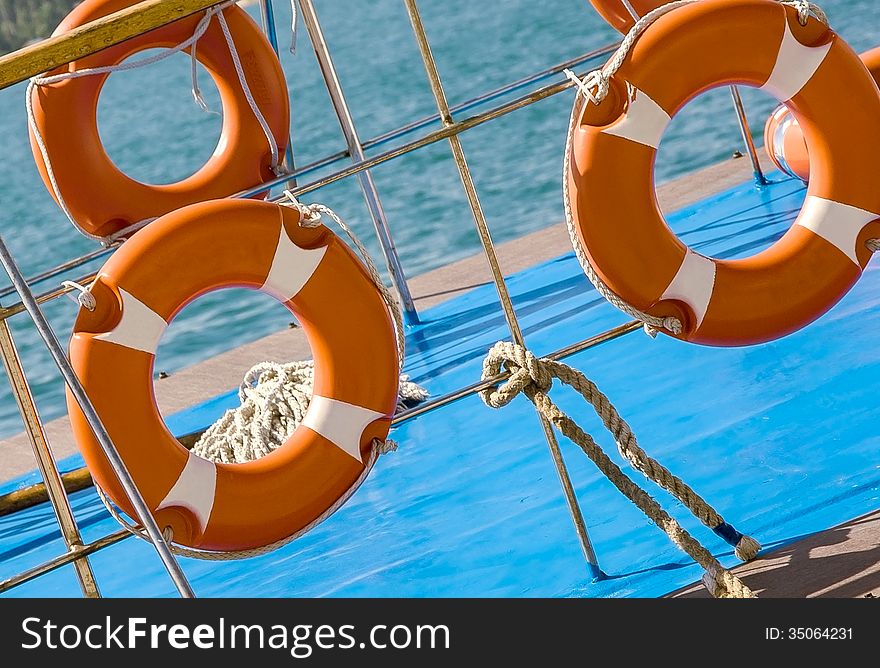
column 842, row 562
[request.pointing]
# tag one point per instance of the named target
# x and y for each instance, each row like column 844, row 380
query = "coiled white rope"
column 274, row 399
column 190, row 42
column 593, row 89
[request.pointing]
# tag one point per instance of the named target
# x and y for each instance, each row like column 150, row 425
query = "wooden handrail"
column 94, row 36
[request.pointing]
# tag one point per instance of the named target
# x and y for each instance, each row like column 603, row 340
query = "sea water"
column 154, row 132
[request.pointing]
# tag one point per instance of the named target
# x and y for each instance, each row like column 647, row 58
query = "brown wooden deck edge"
column 841, row 562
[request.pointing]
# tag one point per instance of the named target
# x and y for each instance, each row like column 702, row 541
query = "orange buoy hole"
column 190, row 135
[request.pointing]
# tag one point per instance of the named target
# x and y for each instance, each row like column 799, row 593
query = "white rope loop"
column 84, row 297
column 293, row 13
column 194, row 76
column 593, row 80
column 593, row 88
column 189, row 43
column 258, row 114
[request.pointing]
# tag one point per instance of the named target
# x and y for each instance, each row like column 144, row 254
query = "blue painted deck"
column 781, row 438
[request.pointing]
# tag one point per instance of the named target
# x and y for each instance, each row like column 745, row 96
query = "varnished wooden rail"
column 26, row 497
column 93, row 37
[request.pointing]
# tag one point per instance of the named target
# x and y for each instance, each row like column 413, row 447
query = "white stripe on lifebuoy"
column 795, row 66
column 139, row 327
column 693, row 284
column 644, row 122
column 194, row 490
column 292, row 267
column 839, row 224
column 340, row 423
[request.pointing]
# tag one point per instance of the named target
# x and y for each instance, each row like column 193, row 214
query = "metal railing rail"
column 150, row 14
column 469, row 122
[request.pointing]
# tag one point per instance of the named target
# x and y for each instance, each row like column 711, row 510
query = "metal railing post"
column 78, row 391
column 498, row 277
column 356, row 150
column 267, row 16
column 746, row 132
column 45, row 461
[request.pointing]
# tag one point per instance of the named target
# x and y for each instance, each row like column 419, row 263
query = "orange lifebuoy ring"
column 618, row 16
column 103, row 200
column 236, row 243
column 783, row 139
column 614, row 210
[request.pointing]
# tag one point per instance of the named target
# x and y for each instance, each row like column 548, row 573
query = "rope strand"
column 84, row 298
column 534, row 377
column 246, row 89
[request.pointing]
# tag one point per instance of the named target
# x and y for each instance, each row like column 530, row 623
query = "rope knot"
column 528, row 373
column 596, row 80
column 84, row 297
column 805, row 8
column 384, row 447
column 310, row 214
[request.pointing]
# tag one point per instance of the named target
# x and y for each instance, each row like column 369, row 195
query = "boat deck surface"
column 779, row 437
